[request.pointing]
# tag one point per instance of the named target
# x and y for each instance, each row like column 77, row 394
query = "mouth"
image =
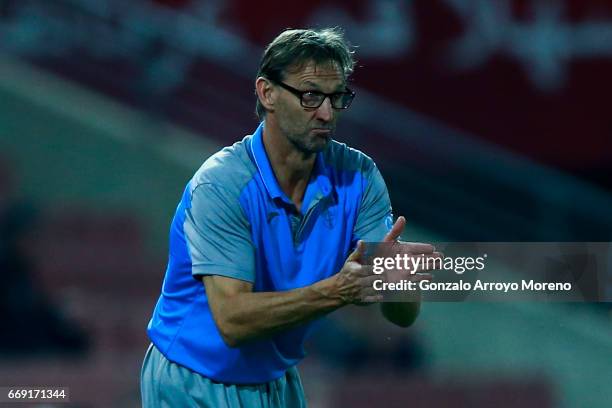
column 322, row 132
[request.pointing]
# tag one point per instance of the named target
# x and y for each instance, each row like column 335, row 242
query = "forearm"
column 402, row 314
column 249, row 315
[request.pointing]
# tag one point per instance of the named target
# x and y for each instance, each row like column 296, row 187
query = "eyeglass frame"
column 300, row 95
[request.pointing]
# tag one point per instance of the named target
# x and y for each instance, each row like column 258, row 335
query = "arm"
column 403, row 314
column 372, row 226
column 241, row 314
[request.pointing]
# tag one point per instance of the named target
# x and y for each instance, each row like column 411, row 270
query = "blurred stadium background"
column 490, row 121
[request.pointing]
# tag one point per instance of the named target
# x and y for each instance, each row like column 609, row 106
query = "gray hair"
column 292, row 48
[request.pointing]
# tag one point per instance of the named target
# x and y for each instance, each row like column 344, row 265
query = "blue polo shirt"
column 234, row 220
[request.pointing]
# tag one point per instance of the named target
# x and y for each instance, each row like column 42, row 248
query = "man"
column 265, row 227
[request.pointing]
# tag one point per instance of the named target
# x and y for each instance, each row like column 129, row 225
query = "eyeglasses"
column 314, row 99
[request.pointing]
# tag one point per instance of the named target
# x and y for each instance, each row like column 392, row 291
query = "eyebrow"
column 339, row 88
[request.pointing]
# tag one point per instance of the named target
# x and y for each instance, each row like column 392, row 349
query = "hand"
column 354, row 283
column 413, row 250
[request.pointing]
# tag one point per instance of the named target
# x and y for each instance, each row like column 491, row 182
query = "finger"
column 417, row 277
column 399, row 275
column 415, row 247
column 367, row 270
column 396, row 230
column 368, row 281
column 368, row 291
column 360, row 271
column 431, row 262
column 372, row 299
column 357, row 254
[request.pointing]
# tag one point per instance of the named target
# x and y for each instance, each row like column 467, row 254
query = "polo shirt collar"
column 320, row 173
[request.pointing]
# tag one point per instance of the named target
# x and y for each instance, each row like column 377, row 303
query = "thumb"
column 396, row 230
column 357, row 254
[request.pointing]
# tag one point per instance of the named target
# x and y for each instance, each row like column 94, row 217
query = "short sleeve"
column 375, row 219
column 218, row 234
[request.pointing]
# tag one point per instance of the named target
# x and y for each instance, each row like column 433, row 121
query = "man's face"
column 309, row 129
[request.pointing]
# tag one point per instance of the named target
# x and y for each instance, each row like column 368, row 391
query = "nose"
column 325, row 112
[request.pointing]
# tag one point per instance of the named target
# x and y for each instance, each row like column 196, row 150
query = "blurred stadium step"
column 376, row 389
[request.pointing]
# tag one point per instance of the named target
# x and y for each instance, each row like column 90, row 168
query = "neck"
column 291, row 166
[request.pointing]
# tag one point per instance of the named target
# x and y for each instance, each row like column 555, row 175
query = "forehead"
column 326, row 71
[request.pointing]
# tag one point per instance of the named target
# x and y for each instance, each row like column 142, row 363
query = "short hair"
column 296, row 47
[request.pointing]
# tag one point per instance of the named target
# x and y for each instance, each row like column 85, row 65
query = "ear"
column 265, row 93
